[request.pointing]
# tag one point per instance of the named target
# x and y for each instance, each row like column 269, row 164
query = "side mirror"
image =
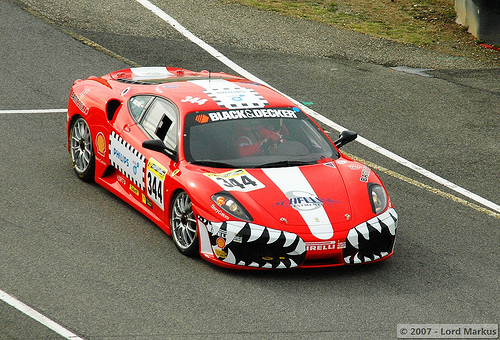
column 345, row 137
column 158, row 145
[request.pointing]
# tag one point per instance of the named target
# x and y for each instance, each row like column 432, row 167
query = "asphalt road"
column 86, row 260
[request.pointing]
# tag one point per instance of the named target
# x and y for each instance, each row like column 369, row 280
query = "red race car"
column 230, row 168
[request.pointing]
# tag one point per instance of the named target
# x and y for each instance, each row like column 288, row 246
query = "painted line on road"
column 33, row 111
column 226, row 61
column 424, row 186
column 24, row 308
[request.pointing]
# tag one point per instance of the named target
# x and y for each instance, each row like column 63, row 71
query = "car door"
column 146, row 171
column 160, row 121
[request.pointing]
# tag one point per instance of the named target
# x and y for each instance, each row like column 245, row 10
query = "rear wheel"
column 81, row 150
column 183, row 224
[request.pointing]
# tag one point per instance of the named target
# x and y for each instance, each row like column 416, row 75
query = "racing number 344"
column 155, row 187
column 233, row 182
column 236, row 180
column 155, row 178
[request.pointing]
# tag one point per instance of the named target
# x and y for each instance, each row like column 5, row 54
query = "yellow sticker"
column 134, row 189
column 156, row 168
column 147, row 201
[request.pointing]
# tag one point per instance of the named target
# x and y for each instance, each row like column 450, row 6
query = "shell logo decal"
column 100, row 143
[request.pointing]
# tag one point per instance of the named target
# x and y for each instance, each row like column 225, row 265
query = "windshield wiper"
column 214, row 164
column 285, row 163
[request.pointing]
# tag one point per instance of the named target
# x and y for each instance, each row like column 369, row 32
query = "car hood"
column 313, row 199
column 313, row 195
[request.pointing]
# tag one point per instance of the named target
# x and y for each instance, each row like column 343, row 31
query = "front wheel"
column 183, row 224
column 81, row 150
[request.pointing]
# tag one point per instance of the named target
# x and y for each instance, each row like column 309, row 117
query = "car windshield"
column 254, row 138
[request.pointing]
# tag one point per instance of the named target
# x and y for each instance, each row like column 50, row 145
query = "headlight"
column 230, row 205
column 378, row 198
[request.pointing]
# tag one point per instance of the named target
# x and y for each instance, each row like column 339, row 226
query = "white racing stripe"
column 24, row 308
column 295, row 186
column 216, row 54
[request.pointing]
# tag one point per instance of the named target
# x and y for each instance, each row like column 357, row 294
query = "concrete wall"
column 482, row 17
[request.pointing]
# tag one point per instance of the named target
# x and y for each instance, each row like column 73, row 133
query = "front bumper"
column 242, row 244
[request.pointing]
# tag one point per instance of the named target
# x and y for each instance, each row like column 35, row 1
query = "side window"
column 160, row 121
column 137, row 104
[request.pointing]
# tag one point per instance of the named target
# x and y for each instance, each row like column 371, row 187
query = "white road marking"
column 216, row 54
column 24, row 308
column 33, row 111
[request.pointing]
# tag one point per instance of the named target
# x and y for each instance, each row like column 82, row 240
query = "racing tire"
column 183, row 225
column 82, row 150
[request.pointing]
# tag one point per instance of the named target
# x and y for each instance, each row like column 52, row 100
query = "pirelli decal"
column 127, row 159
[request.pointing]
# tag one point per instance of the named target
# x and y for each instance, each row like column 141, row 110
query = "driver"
column 258, row 138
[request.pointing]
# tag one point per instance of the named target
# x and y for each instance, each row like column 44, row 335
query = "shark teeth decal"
column 371, row 240
column 252, row 245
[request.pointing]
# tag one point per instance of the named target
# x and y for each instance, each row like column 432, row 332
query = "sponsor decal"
column 300, row 200
column 341, row 161
column 294, row 185
column 221, row 254
column 229, row 95
column 134, row 189
column 202, row 119
column 330, row 164
column 365, row 173
column 320, row 246
column 160, row 87
column 220, row 242
column 84, row 92
column 251, row 113
column 354, row 167
column 147, row 201
column 121, row 180
column 100, row 143
column 127, row 159
column 78, row 102
column 155, row 176
column 219, row 212
column 236, row 180
column 101, row 161
column 340, row 244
